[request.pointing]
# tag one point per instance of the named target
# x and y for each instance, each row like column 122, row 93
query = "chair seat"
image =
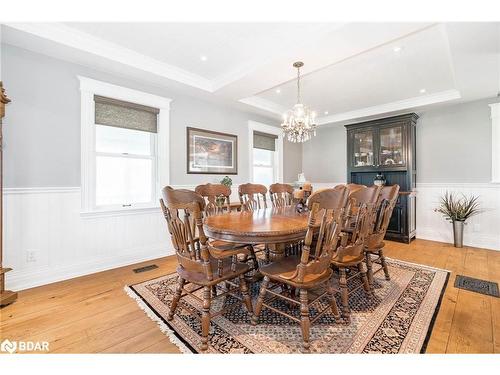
column 371, row 248
column 348, row 261
column 200, row 278
column 223, row 245
column 284, row 269
column 375, row 241
column 222, row 249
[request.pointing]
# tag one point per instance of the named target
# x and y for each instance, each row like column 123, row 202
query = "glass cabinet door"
column 363, row 149
column 391, row 146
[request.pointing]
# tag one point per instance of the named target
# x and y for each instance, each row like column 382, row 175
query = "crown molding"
column 264, row 104
column 495, row 109
column 123, row 93
column 73, row 38
column 418, row 101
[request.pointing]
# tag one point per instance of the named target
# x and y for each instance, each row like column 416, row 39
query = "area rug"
column 398, row 319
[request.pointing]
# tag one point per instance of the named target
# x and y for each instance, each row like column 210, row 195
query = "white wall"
column 48, row 222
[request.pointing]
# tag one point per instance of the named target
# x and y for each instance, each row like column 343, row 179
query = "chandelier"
column 299, row 122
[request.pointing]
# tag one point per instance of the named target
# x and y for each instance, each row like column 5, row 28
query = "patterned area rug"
column 398, row 319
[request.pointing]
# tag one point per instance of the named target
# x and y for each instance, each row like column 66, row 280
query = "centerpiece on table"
column 226, row 181
column 457, row 210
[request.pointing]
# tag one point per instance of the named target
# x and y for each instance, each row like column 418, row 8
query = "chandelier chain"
column 298, row 85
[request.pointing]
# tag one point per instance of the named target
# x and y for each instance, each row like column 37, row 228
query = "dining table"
column 276, row 226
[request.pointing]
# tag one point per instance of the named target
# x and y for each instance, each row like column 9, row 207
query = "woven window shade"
column 264, row 141
column 120, row 114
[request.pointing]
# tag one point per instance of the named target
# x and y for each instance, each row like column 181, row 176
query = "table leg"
column 276, row 252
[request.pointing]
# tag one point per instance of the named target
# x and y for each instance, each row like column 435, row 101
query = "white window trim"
column 269, row 129
column 495, row 143
column 90, row 87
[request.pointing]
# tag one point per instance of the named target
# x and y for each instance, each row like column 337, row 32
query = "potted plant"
column 227, row 182
column 457, row 210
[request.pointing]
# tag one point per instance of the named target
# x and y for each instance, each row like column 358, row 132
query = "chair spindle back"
column 216, row 198
column 281, row 195
column 386, row 203
column 352, row 245
column 183, row 212
column 325, row 206
column 252, row 196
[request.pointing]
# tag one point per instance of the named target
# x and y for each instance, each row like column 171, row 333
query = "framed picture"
column 210, row 152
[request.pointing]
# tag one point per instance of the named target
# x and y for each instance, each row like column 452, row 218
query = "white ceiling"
column 351, row 70
column 227, row 47
column 375, row 77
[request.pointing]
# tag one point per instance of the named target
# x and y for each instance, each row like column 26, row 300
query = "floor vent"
column 145, row 268
column 476, row 285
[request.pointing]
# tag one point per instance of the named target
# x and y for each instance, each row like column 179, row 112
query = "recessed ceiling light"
column 423, row 91
column 203, row 58
column 278, row 91
column 397, row 49
column 326, row 112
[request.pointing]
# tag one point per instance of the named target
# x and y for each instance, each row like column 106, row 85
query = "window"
column 124, row 148
column 264, row 155
column 263, row 167
column 125, row 153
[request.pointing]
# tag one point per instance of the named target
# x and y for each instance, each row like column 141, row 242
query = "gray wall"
column 292, row 155
column 324, row 156
column 42, row 125
column 453, row 145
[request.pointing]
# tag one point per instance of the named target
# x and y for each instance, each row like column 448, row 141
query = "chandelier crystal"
column 299, row 122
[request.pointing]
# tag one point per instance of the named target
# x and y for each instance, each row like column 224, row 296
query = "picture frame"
column 211, row 152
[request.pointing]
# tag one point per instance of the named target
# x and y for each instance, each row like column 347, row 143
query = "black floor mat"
column 476, row 285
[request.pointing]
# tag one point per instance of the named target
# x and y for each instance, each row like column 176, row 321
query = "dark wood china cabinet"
column 384, row 149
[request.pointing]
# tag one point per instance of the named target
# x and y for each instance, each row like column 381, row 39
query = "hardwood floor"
column 92, row 314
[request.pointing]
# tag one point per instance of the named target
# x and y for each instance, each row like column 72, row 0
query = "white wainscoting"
column 66, row 245
column 481, row 231
column 47, row 221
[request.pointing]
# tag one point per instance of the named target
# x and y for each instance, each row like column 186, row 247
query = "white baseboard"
column 479, row 240
column 30, row 278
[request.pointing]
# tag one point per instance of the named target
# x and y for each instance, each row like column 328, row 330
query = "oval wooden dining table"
column 276, row 226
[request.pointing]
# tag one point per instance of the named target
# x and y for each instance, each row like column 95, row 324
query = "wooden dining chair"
column 217, row 198
column 252, row 196
column 354, row 187
column 359, row 195
column 281, row 195
column 196, row 265
column 374, row 243
column 217, row 202
column 311, row 269
column 350, row 256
